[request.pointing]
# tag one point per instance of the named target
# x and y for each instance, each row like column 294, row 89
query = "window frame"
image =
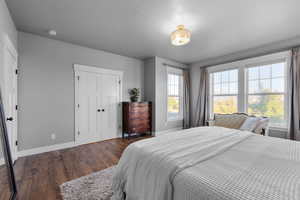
column 242, row 66
column 284, row 93
column 212, row 95
column 179, row 72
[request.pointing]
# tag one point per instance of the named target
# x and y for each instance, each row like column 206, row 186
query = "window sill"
column 174, row 120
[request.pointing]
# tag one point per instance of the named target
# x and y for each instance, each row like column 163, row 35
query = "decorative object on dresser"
column 137, row 118
column 134, row 94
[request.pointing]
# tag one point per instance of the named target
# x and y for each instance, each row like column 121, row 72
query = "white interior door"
column 10, row 94
column 97, row 101
column 108, row 101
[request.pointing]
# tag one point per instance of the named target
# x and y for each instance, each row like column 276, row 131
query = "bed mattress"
column 209, row 163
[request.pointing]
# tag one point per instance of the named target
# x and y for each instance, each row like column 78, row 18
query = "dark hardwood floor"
column 4, row 183
column 39, row 176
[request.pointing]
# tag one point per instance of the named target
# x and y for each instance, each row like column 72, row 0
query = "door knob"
column 98, row 110
column 9, row 119
column 103, row 110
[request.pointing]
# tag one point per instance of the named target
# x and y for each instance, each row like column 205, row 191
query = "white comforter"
column 193, row 164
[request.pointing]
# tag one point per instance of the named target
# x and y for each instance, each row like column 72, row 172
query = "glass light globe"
column 181, row 36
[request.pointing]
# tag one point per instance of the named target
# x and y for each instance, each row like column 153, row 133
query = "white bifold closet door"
column 97, row 110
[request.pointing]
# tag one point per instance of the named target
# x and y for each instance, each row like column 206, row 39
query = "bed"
column 209, row 163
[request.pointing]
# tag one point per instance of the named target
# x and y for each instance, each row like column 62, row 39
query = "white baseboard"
column 158, row 133
column 46, row 149
column 56, row 147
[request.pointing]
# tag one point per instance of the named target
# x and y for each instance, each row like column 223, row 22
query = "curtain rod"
column 166, row 64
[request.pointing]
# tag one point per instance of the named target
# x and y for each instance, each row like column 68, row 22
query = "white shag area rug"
column 96, row 186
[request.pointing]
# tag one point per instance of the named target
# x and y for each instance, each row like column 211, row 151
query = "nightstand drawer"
column 139, row 116
column 138, row 122
column 139, row 109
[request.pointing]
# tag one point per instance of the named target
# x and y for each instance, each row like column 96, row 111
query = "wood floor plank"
column 39, row 176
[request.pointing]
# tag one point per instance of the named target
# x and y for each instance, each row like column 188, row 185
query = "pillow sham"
column 262, row 123
column 250, row 124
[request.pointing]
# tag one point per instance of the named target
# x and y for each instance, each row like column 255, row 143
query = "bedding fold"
column 147, row 168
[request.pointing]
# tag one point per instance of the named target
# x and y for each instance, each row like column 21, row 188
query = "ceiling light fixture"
column 181, row 36
column 52, row 32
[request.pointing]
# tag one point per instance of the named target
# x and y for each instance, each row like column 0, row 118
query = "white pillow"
column 249, row 124
column 262, row 123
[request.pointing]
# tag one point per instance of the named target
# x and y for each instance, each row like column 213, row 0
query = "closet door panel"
column 87, row 109
column 99, row 107
column 108, row 104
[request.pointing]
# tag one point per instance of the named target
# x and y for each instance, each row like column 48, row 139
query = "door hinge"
column 119, row 81
column 78, row 105
column 17, row 71
column 17, row 107
column 78, row 77
column 16, row 143
column 78, row 132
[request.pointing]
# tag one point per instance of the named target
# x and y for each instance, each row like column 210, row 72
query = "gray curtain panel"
column 202, row 108
column 294, row 85
column 186, row 99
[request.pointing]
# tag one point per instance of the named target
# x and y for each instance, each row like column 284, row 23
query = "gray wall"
column 156, row 91
column 249, row 53
column 46, row 86
column 8, row 28
column 149, row 83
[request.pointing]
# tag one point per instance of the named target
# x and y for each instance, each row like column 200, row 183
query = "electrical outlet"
column 53, row 136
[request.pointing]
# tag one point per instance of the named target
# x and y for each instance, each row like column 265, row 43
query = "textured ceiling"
column 141, row 28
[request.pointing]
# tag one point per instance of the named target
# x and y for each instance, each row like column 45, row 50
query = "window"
column 224, row 89
column 174, row 100
column 266, row 94
column 256, row 86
